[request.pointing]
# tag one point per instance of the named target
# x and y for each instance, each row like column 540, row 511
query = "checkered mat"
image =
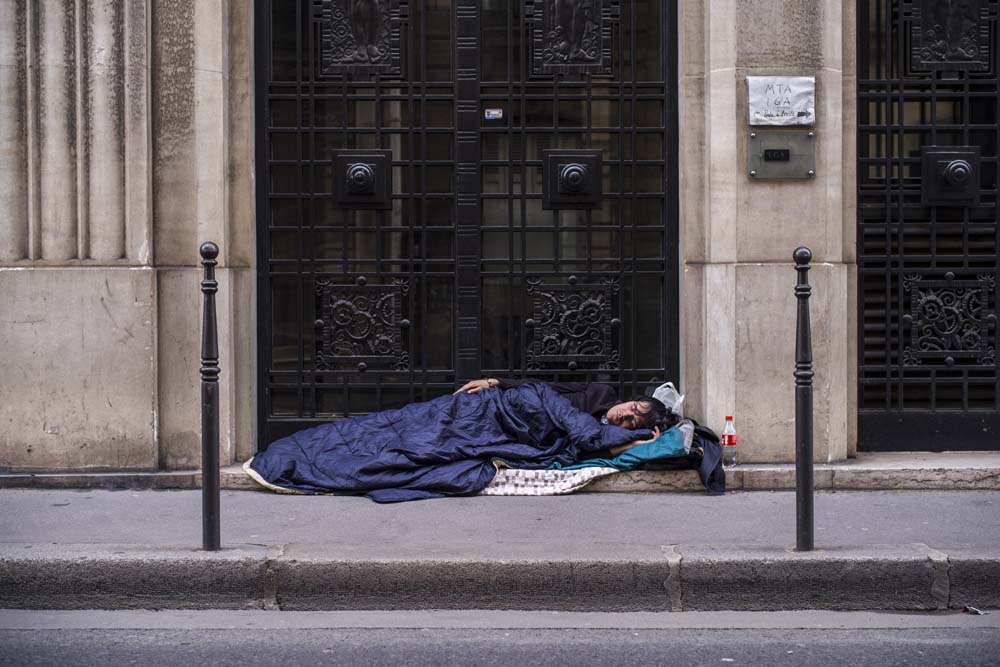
column 514, row 482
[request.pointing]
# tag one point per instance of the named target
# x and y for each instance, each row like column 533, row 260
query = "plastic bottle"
column 728, row 441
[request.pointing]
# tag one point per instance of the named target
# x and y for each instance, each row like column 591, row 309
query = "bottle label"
column 728, row 439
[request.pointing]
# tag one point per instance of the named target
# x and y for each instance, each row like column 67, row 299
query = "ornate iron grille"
column 403, row 246
column 572, row 325
column 927, row 265
column 356, row 35
column 588, row 293
column 360, row 325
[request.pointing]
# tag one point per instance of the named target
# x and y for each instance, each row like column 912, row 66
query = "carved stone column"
column 104, row 132
column 13, row 132
column 55, row 205
column 78, row 295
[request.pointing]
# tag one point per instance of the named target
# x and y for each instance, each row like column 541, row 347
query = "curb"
column 670, row 578
column 936, row 472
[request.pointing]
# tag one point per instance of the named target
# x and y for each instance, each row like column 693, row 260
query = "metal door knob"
column 957, row 172
column 572, row 177
column 360, row 178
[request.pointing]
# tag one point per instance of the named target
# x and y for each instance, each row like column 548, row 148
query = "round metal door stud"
column 573, row 177
column 957, row 172
column 360, row 178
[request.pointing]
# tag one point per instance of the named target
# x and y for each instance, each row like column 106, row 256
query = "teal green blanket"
column 670, row 444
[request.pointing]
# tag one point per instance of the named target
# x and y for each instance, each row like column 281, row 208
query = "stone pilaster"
column 203, row 159
column 101, row 334
column 738, row 234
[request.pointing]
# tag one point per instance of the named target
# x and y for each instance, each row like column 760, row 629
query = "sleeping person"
column 601, row 402
column 452, row 445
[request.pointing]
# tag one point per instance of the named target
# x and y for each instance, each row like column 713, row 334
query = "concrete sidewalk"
column 624, row 552
column 946, row 471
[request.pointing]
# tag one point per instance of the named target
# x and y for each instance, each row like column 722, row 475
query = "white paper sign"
column 781, row 100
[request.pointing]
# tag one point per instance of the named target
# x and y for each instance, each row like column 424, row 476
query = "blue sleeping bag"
column 443, row 447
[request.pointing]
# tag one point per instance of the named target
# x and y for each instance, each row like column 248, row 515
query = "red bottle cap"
column 728, row 417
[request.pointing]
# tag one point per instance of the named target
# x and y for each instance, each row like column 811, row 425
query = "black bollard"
column 803, row 407
column 210, row 525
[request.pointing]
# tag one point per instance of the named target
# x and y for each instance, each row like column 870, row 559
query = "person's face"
column 626, row 415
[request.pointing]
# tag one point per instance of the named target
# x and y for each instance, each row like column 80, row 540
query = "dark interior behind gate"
column 449, row 189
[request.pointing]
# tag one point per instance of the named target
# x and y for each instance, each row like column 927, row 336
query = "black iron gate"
column 450, row 189
column 927, row 224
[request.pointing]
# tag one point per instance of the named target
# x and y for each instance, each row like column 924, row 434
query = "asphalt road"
column 540, row 639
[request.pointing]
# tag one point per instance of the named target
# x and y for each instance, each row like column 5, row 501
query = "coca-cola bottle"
column 728, row 441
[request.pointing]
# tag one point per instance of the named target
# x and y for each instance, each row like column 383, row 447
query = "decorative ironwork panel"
column 571, row 36
column 927, row 210
column 359, row 35
column 572, row 326
column 402, row 140
column 950, row 35
column 950, row 320
column 359, row 325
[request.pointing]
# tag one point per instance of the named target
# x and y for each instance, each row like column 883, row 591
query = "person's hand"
column 656, row 434
column 615, row 451
column 478, row 385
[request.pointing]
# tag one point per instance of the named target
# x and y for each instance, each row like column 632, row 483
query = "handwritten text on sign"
column 781, row 100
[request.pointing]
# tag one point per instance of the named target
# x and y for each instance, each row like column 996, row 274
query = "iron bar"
column 803, row 406
column 210, row 524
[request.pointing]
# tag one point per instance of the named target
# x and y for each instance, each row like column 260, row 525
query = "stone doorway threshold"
column 946, row 471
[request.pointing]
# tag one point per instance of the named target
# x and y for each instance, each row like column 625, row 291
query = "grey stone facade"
column 127, row 138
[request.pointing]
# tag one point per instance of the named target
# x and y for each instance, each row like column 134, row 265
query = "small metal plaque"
column 784, row 154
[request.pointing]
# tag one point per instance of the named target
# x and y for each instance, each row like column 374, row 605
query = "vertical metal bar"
column 210, row 527
column 307, row 236
column 468, row 194
column 669, row 203
column 803, row 407
column 262, row 151
column 415, row 208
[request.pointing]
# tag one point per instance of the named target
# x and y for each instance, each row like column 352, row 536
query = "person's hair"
column 652, row 413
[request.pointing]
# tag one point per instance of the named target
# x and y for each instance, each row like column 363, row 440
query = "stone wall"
column 125, row 141
column 738, row 235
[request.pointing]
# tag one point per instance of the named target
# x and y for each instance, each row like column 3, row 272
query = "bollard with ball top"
column 803, row 406
column 210, row 522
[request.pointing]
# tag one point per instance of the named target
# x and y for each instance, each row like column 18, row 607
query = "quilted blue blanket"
column 444, row 447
